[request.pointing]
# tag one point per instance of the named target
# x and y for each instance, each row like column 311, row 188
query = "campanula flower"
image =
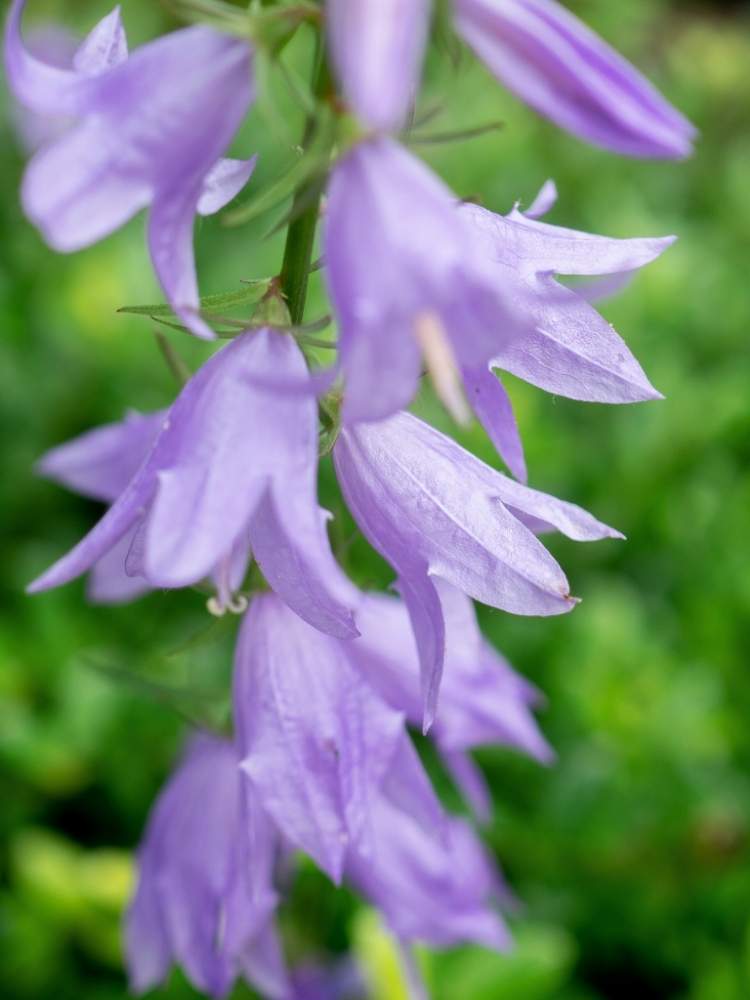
column 204, row 897
column 146, row 130
column 434, row 510
column 556, row 64
column 232, row 471
column 419, row 287
column 319, row 746
column 566, row 347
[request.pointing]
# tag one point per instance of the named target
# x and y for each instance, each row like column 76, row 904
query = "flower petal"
column 104, row 47
column 290, row 543
column 553, row 62
column 491, row 403
column 224, row 181
column 377, row 48
column 100, row 463
column 317, row 742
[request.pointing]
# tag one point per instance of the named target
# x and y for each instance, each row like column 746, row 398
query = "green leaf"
column 250, row 294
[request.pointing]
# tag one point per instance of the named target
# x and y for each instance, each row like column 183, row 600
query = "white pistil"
column 441, row 365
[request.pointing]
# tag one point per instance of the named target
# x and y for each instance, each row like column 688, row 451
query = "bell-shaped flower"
column 232, row 471
column 434, row 510
column 319, row 746
column 377, row 48
column 438, row 892
column 418, row 287
column 567, row 347
column 556, row 64
column 204, row 897
column 146, row 130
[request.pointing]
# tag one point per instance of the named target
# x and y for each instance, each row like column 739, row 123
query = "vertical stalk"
column 300, row 238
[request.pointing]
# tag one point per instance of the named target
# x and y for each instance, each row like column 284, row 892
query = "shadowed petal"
column 290, row 543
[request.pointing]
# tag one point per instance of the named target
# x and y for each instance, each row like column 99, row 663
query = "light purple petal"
column 43, row 87
column 491, row 403
column 426, row 614
column 553, row 62
column 418, row 495
column 105, row 46
column 316, row 742
column 544, row 201
column 72, row 192
column 223, row 182
column 431, row 891
column 109, row 581
column 377, row 48
column 471, row 783
column 290, row 544
column 100, row 463
column 534, row 247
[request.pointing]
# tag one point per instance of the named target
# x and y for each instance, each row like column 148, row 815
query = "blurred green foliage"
column 630, row 854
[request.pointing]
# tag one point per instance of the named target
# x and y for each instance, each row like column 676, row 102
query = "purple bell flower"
column 204, row 897
column 562, row 69
column 147, row 130
column 377, row 48
column 319, row 746
column 232, row 471
column 434, row 510
column 422, row 287
column 567, row 347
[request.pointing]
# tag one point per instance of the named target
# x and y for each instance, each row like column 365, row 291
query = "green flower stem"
column 300, row 238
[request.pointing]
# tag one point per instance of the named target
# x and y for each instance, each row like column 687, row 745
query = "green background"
column 630, row 854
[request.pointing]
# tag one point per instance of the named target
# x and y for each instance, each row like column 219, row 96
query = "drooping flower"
column 377, row 47
column 232, row 471
column 421, row 287
column 438, row 892
column 433, row 510
column 567, row 347
column 147, row 130
column 319, row 746
column 555, row 63
column 204, row 897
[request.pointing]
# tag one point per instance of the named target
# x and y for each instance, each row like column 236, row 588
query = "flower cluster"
column 327, row 678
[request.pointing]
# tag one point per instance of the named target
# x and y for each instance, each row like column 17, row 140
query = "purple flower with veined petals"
column 205, row 897
column 377, row 47
column 421, row 287
column 433, row 509
column 148, row 130
column 319, row 746
column 567, row 348
column 232, row 470
column 556, row 64
column 437, row 892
